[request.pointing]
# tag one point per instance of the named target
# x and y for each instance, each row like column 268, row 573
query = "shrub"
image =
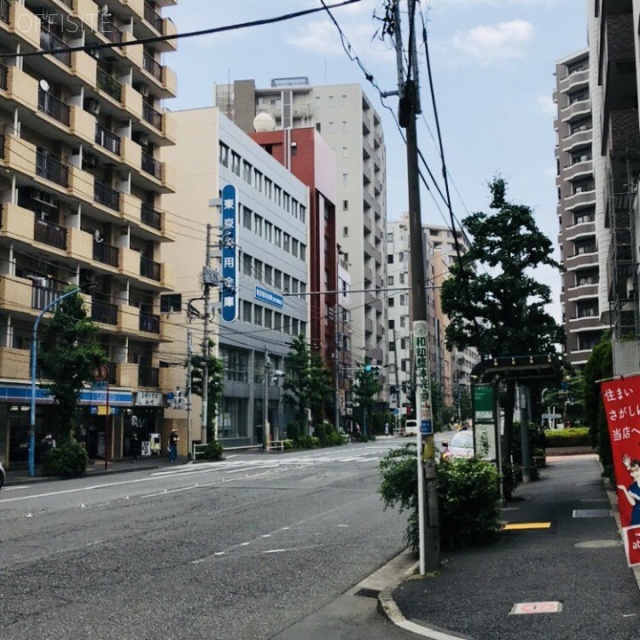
column 320, row 432
column 573, row 437
column 68, row 460
column 467, row 492
column 213, row 451
column 510, row 479
column 293, row 431
column 305, row 442
column 288, row 445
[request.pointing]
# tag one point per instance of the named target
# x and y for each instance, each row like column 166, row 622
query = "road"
column 245, row 548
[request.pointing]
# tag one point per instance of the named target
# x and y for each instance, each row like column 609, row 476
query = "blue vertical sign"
column 229, row 284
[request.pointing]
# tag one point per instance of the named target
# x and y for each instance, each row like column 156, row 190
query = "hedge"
column 572, row 437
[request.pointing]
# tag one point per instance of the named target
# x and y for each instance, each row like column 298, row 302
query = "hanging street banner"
column 621, row 400
column 229, row 283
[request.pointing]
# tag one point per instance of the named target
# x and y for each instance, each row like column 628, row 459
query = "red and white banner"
column 622, row 405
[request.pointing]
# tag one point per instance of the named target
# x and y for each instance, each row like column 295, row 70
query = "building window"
column 235, row 163
column 332, row 127
column 170, row 303
column 257, row 315
column 345, row 232
column 246, row 172
column 277, row 237
column 318, row 127
column 286, row 245
column 303, row 214
column 390, row 258
column 268, row 274
column 247, row 216
column 268, row 231
column 247, row 261
column 224, row 155
column 345, row 152
column 389, row 237
column 246, row 311
column 391, row 302
column 345, row 205
column 257, row 180
column 303, row 252
column 277, row 321
column 294, row 247
column 345, row 178
column 277, row 279
column 268, row 318
column 390, row 281
column 392, row 324
column 257, row 225
column 402, row 278
column 345, row 128
column 257, row 270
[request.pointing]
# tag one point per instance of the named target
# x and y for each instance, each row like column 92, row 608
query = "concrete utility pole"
column 205, row 341
column 409, row 108
column 188, row 390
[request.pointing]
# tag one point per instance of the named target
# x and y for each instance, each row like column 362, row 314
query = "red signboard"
column 621, row 399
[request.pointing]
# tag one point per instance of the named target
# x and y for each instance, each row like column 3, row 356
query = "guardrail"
column 198, row 449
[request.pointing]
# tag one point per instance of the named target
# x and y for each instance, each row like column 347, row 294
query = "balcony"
column 149, row 323
column 149, row 269
column 109, row 85
column 106, row 195
column 2, row 145
column 150, row 217
column 151, row 166
column 152, row 116
column 50, row 42
column 576, row 110
column 148, row 376
column 54, row 107
column 107, row 139
column 42, row 296
column 4, row 77
column 105, row 253
column 51, row 169
column 109, row 30
column 574, row 81
column 50, row 234
column 14, row 363
column 5, row 9
column 152, row 66
column 104, row 312
column 153, row 17
column 581, row 169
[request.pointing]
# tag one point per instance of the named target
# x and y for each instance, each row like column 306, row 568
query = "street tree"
column 69, row 357
column 296, row 385
column 491, row 298
column 365, row 388
column 215, row 374
column 321, row 388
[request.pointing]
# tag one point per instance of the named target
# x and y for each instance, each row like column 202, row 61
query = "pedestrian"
column 386, row 428
column 135, row 446
column 173, row 446
column 48, row 443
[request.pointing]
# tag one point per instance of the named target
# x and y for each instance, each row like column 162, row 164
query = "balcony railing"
column 51, row 169
column 151, row 165
column 42, row 296
column 54, row 107
column 5, row 7
column 151, row 65
column 4, row 77
column 149, row 323
column 150, row 216
column 109, row 85
column 106, row 195
column 152, row 17
column 51, row 234
column 107, row 139
column 149, row 269
column 2, row 145
column 148, row 376
column 105, row 253
column 153, row 117
column 49, row 41
column 109, row 30
column 104, row 312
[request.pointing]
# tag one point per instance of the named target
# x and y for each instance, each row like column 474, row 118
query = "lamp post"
column 34, row 359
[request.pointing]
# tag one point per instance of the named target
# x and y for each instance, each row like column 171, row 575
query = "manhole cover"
column 368, row 593
column 592, row 513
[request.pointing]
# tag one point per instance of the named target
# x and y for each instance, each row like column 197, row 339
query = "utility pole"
column 398, row 392
column 409, row 108
column 265, row 409
column 206, row 280
column 188, row 390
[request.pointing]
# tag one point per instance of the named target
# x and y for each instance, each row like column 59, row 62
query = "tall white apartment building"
column 345, row 117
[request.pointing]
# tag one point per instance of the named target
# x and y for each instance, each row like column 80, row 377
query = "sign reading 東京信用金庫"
column 621, row 399
column 229, row 284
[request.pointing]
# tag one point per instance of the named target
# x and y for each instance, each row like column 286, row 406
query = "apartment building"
column 576, row 208
column 81, row 192
column 270, row 253
column 614, row 49
column 345, row 117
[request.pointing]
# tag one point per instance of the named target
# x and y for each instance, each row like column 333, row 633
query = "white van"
column 411, row 428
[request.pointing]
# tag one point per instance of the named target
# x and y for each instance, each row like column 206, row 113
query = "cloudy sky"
column 492, row 61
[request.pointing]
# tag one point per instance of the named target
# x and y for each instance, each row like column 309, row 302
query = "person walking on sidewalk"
column 173, row 446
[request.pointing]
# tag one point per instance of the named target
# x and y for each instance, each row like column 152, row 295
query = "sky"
column 492, row 61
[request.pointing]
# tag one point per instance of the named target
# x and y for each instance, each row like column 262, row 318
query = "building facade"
column 345, row 117
column 614, row 50
column 81, row 191
column 575, row 181
column 272, row 251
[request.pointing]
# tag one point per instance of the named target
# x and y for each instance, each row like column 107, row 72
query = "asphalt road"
column 246, row 548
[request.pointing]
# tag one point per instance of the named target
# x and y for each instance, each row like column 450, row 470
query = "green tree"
column 69, row 356
column 598, row 367
column 365, row 388
column 321, row 389
column 492, row 301
column 215, row 387
column 297, row 382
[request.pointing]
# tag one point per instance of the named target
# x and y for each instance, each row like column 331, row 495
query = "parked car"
column 411, row 428
column 3, row 475
column 460, row 447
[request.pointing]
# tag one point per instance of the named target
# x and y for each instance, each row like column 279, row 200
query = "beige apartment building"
column 81, row 188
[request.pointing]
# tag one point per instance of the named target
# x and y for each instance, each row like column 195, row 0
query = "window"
column 257, row 179
column 332, row 127
column 390, row 281
column 587, row 309
column 224, row 155
column 303, row 252
column 389, row 237
column 268, row 188
column 295, row 327
column 581, row 156
column 287, row 242
column 345, row 232
column 257, row 225
column 401, row 256
column 402, row 278
column 170, row 302
column 392, row 324
column 268, row 231
column 587, row 246
column 246, row 311
column 303, row 214
column 345, row 178
column 345, row 152
column 294, row 247
column 390, row 258
column 257, row 315
column 268, row 273
column 295, row 208
column 330, row 101
column 318, row 127
column 403, row 321
column 345, row 205
column 581, row 125
column 246, row 171
column 286, row 283
column 391, row 302
column 257, row 270
column 247, row 261
column 235, row 163
column 278, row 195
column 277, row 321
column 344, row 126
column 277, row 237
column 268, row 318
column 294, row 285
column 247, row 216
column 287, row 201
column 580, row 217
column 277, row 279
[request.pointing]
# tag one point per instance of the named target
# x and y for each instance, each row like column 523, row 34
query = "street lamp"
column 34, row 358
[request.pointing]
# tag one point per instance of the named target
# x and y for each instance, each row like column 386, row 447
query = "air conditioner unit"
column 92, row 106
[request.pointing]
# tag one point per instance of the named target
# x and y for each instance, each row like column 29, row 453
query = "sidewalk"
column 577, row 562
